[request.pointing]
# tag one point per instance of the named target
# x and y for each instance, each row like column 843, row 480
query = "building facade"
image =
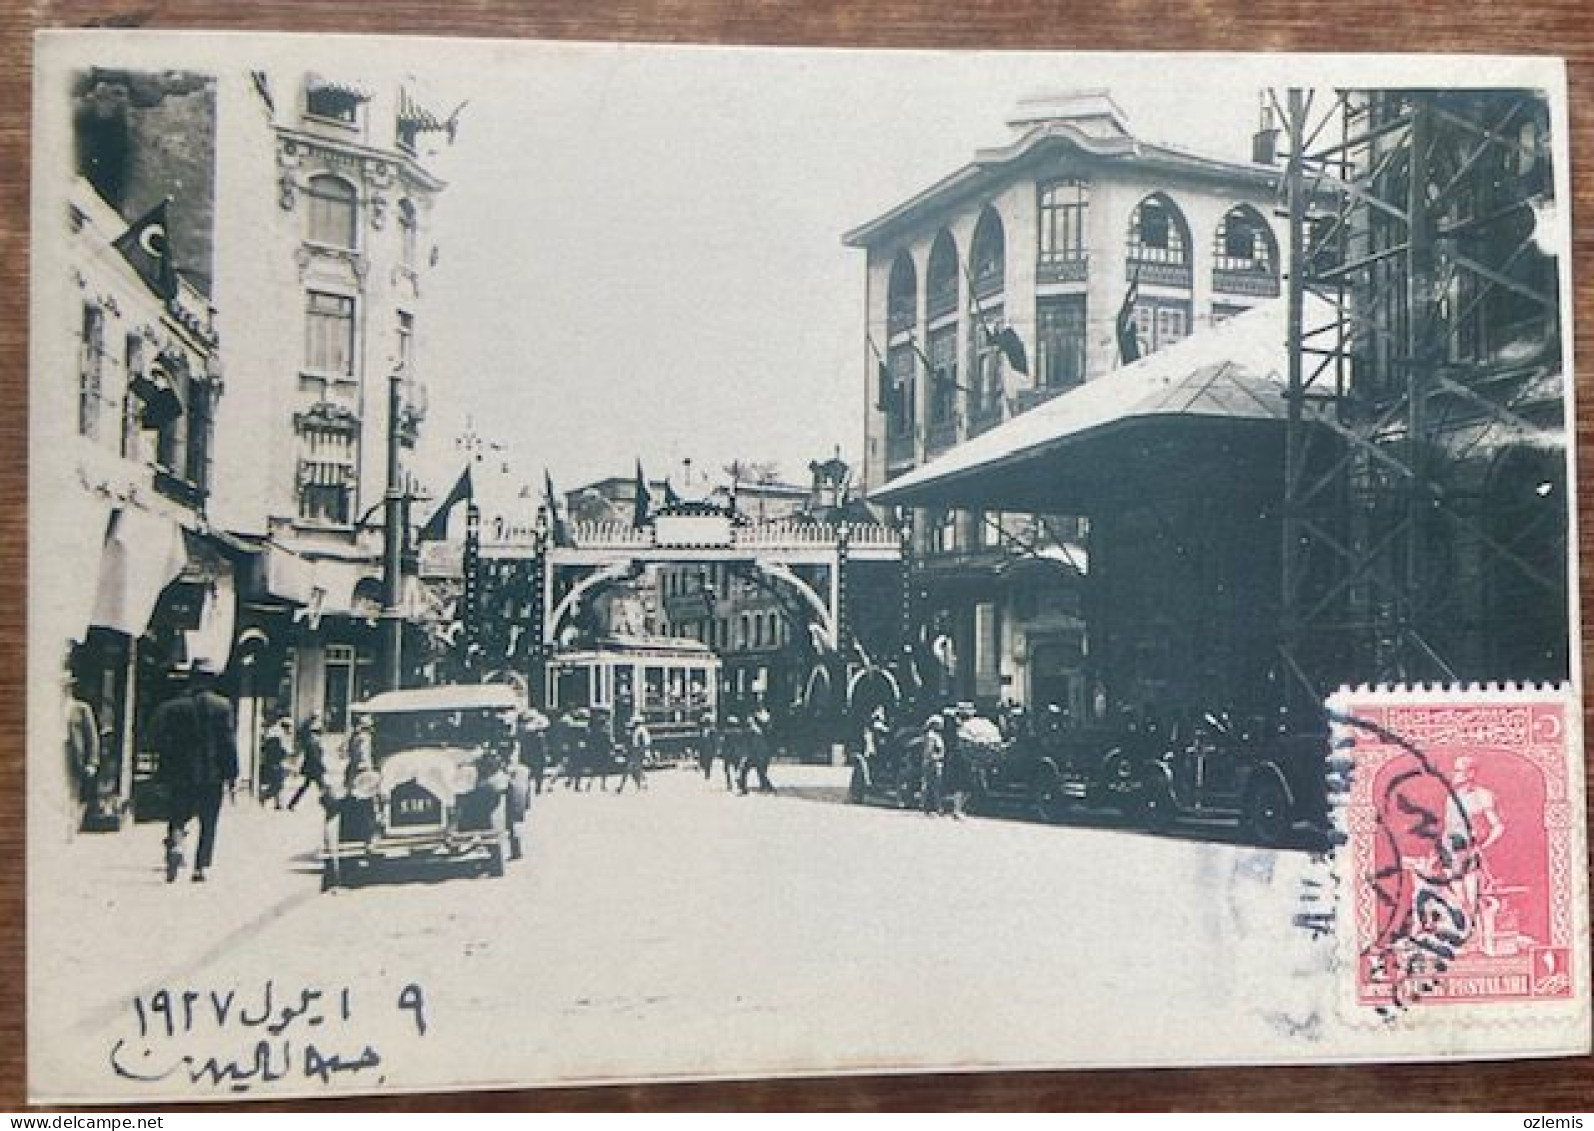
column 1045, row 263
column 324, row 215
column 124, row 405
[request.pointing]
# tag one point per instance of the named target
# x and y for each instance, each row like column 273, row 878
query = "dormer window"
column 332, row 101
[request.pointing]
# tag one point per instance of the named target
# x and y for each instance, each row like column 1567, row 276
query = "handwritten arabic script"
column 244, row 1040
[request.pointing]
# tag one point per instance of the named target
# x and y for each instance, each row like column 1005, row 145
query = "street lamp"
column 393, row 535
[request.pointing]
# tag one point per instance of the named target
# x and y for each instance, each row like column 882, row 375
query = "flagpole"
column 393, row 544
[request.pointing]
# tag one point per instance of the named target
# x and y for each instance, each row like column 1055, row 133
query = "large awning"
column 1218, row 393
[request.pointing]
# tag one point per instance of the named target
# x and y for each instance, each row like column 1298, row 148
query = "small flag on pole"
column 642, row 506
column 436, row 528
column 1128, row 340
column 559, row 531
column 1012, row 347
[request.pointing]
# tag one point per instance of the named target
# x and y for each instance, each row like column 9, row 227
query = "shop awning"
column 144, row 553
column 1215, row 391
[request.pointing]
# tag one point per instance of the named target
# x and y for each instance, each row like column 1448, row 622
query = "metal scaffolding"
column 1425, row 511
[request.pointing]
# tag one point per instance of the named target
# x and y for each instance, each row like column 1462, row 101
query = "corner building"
column 324, row 217
column 1047, row 235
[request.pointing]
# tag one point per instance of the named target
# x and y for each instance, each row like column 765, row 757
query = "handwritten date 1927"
column 241, row 1040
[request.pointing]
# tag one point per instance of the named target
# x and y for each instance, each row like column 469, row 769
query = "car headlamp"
column 367, row 784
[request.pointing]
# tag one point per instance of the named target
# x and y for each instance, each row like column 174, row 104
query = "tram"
column 672, row 683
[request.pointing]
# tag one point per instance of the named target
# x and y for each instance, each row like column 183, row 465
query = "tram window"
column 653, row 678
column 575, row 687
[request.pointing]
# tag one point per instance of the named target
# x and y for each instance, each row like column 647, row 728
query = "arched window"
column 902, row 295
column 988, row 254
column 1159, row 242
column 332, row 212
column 1245, row 256
column 942, row 276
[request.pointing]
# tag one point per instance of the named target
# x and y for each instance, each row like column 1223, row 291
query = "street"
column 677, row 931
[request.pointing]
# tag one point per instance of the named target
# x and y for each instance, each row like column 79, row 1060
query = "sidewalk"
column 106, row 906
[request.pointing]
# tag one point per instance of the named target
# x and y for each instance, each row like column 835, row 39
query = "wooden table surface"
column 1563, row 27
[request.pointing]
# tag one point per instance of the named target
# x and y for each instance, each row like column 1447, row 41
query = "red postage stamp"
column 1462, row 866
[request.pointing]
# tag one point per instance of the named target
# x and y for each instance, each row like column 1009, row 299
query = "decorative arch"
column 988, row 253
column 902, row 294
column 616, row 571
column 871, row 687
column 817, row 604
column 941, row 275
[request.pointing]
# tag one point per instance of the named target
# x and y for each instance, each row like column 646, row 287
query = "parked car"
column 442, row 783
column 1266, row 775
column 1050, row 767
column 889, row 767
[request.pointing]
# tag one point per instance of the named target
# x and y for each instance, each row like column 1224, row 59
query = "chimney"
column 1265, row 142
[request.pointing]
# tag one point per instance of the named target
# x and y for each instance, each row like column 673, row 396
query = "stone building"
column 325, row 240
column 134, row 585
column 1044, row 263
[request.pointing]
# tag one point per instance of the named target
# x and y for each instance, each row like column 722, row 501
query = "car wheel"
column 1050, row 805
column 1266, row 811
column 1153, row 801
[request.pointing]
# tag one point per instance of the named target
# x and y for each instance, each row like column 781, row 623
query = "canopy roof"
column 449, row 697
column 1217, row 393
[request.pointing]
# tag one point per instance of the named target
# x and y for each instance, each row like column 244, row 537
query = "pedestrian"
column 198, row 761
column 274, row 747
column 958, row 773
column 600, row 748
column 732, row 750
column 932, row 764
column 534, row 746
column 312, row 759
column 637, row 750
column 755, row 757
column 82, row 758
column 708, row 740
column 361, row 753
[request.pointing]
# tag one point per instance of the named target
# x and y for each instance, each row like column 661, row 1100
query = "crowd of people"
column 588, row 745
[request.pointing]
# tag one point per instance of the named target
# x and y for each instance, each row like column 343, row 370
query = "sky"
column 640, row 248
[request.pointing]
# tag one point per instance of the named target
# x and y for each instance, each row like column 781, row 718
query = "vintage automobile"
column 888, row 767
column 1267, row 775
column 1052, row 768
column 442, row 783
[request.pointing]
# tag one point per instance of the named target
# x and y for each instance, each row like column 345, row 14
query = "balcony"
column 1072, row 270
column 1029, row 398
column 982, row 418
column 1160, row 273
column 900, row 452
column 943, row 300
column 1245, row 281
column 181, row 491
column 942, row 435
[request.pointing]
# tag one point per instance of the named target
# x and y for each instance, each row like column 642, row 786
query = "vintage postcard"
column 565, row 563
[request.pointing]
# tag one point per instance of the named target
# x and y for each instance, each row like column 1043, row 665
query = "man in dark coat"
column 312, row 759
column 194, row 739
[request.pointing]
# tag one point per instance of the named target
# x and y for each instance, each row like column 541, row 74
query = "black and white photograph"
column 570, row 563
